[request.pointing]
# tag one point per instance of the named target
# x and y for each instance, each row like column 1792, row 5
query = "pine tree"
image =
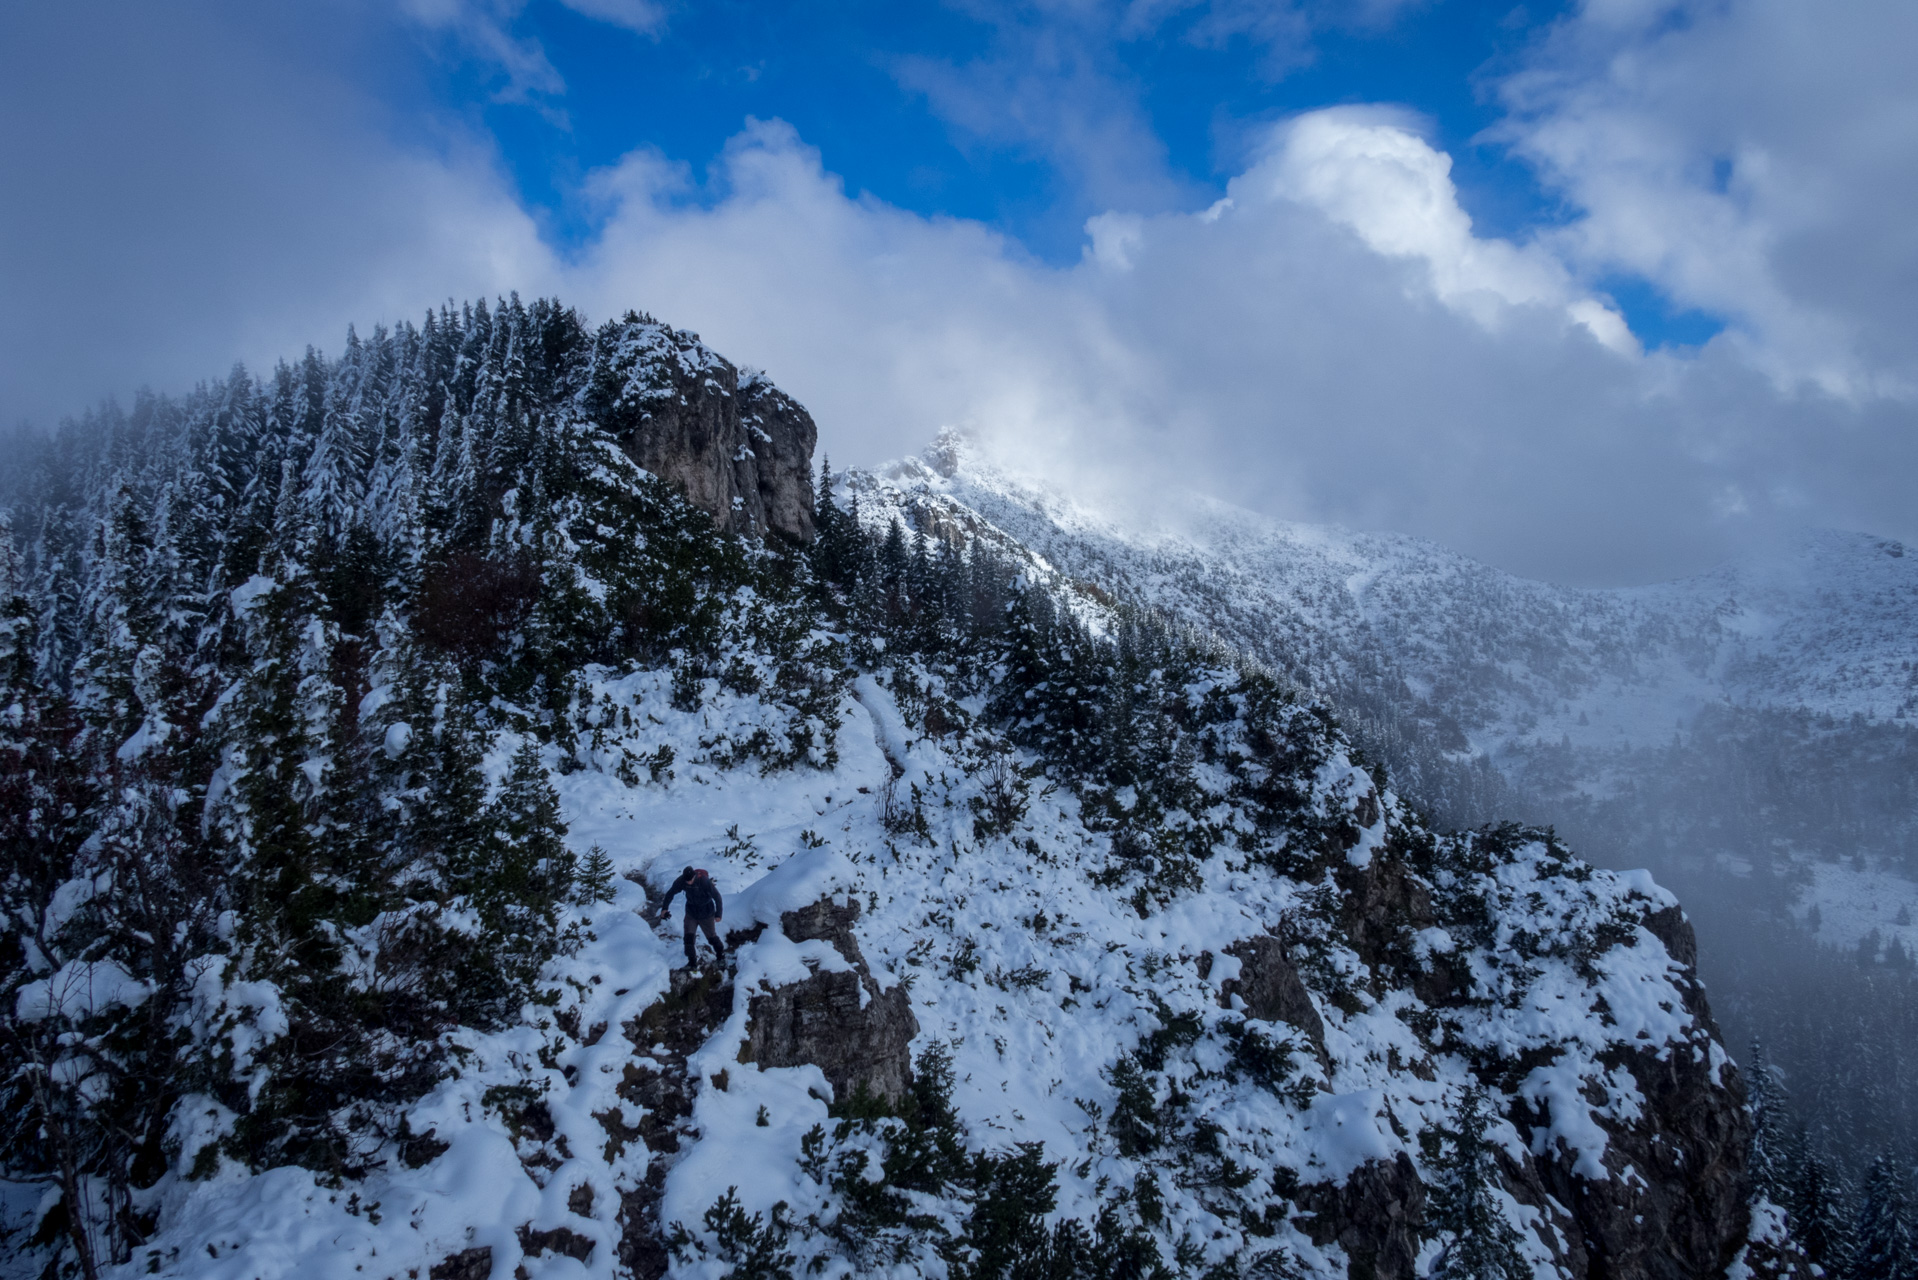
column 893, row 564
column 1882, row 1246
column 514, row 876
column 595, row 877
column 1820, row 1213
column 1479, row 1243
column 1769, row 1158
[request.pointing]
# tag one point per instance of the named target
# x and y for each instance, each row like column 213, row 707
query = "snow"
column 1851, row 901
column 1035, row 975
column 1829, row 623
column 803, row 879
column 248, row 593
column 1035, row 1017
column 80, row 989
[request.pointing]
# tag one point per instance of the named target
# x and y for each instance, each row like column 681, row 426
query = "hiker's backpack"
column 702, row 899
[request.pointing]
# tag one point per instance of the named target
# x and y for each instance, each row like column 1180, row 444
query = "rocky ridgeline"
column 1052, row 955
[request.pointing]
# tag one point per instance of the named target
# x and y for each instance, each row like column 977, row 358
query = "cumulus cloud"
column 1332, row 341
column 1395, row 191
column 1752, row 158
column 1370, row 361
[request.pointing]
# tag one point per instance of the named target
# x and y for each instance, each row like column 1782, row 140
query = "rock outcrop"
column 1375, row 1216
column 658, row 1085
column 840, row 1022
column 1666, row 1199
column 738, row 447
column 1270, row 986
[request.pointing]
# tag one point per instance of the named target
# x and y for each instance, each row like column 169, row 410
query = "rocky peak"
column 737, row 446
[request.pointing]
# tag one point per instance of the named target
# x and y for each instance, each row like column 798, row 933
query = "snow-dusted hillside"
column 1829, row 624
column 1115, row 1031
column 1437, row 659
column 351, row 718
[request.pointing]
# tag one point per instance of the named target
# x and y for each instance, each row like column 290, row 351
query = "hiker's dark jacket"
column 702, row 897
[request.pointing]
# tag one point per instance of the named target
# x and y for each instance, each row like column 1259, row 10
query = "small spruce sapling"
column 752, row 1246
column 1463, row 1209
column 1135, row 1113
column 595, row 880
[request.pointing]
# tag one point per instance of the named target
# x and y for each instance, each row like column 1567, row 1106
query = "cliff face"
column 738, row 447
column 1635, row 1159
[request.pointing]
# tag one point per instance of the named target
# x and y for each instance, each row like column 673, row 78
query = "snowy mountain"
column 1748, row 733
column 357, row 717
column 1829, row 625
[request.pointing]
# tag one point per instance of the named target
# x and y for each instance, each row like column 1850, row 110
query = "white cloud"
column 642, row 17
column 484, row 30
column 1332, row 341
column 183, row 193
column 1395, row 191
column 1752, row 158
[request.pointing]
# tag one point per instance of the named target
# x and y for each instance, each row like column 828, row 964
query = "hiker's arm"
column 719, row 905
column 666, row 902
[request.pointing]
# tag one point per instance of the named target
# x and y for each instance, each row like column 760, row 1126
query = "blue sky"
column 835, row 73
column 685, row 87
column 1602, row 291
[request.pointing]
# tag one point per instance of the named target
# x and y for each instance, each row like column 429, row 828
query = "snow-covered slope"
column 331, row 795
column 1569, row 694
column 1079, row 1014
column 1830, row 623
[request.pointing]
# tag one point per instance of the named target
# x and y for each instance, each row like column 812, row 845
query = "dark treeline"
column 1772, row 787
column 1854, row 1219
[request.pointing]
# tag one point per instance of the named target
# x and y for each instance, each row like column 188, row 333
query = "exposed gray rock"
column 1375, row 1216
column 1672, row 927
column 467, row 1264
column 1269, row 984
column 821, row 1021
column 738, row 447
column 1382, row 905
column 560, row 1240
column 1684, row 1213
column 657, row 1083
column 1674, row 1199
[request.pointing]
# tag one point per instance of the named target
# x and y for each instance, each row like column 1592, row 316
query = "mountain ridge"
column 354, row 718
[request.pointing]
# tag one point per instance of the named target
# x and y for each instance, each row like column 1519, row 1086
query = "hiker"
column 704, row 908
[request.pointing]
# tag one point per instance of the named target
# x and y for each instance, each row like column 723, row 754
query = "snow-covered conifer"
column 1882, row 1242
column 1466, row 1206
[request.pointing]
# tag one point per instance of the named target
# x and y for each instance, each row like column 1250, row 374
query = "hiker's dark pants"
column 692, row 953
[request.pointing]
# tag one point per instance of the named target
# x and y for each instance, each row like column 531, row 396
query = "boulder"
column 842, row 1023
